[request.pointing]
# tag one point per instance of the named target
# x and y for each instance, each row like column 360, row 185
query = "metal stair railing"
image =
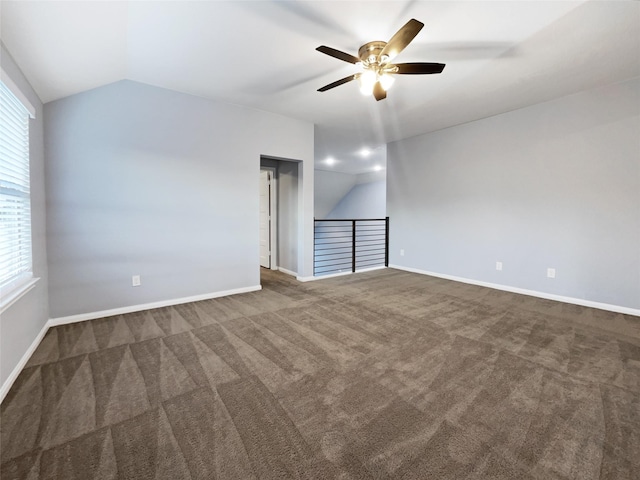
column 349, row 245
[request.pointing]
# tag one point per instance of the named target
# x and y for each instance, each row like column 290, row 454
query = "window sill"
column 17, row 293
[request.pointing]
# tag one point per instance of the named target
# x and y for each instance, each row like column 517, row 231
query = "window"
column 16, row 271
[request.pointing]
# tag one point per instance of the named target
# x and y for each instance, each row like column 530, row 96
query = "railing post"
column 353, row 246
column 386, row 242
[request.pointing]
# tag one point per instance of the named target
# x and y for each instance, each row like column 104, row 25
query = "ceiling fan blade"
column 419, row 68
column 402, row 38
column 332, row 52
column 378, row 92
column 337, row 83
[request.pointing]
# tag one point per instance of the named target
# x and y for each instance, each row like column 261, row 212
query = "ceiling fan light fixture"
column 386, row 81
column 367, row 80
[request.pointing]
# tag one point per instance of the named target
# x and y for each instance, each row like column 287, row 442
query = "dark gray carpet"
column 379, row 375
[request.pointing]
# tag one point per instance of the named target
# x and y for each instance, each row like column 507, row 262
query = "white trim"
column 8, row 383
column 523, row 291
column 273, row 220
column 148, row 306
column 306, row 279
column 371, row 269
column 288, row 272
column 6, row 79
column 273, row 217
column 340, row 274
column 17, row 293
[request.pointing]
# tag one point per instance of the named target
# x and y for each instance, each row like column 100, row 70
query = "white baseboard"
column 371, row 269
column 339, row 274
column 523, row 291
column 148, row 306
column 323, row 277
column 288, row 272
column 6, row 386
column 306, row 279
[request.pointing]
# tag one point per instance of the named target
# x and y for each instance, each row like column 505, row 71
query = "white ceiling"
column 500, row 56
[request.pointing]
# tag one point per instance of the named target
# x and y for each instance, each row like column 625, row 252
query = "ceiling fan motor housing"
column 369, row 53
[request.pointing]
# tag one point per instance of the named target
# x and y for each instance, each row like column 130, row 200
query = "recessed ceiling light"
column 330, row 161
column 377, row 168
column 364, row 152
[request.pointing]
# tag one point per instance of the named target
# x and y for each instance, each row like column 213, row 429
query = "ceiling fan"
column 374, row 60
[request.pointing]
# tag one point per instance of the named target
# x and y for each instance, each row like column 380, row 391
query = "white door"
column 265, row 218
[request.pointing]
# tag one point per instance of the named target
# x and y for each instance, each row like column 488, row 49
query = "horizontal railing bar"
column 328, row 241
column 369, row 255
column 336, row 255
column 333, row 251
column 370, row 264
column 333, row 259
column 369, row 252
column 335, row 266
column 333, row 228
column 350, row 220
column 374, row 264
column 332, row 246
column 367, row 261
column 322, row 254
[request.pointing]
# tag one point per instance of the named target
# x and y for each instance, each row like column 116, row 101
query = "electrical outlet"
column 498, row 265
column 551, row 272
column 402, row 252
column 135, row 281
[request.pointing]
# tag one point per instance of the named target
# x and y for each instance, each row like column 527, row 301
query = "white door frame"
column 273, row 221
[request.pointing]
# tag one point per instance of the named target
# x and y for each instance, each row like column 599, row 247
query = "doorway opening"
column 279, row 214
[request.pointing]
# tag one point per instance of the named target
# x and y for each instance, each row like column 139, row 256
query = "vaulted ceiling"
column 499, row 56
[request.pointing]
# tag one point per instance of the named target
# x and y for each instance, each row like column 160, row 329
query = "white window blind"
column 15, row 203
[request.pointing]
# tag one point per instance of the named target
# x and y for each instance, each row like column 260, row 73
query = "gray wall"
column 142, row 180
column 22, row 321
column 364, row 200
column 552, row 185
column 329, row 189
